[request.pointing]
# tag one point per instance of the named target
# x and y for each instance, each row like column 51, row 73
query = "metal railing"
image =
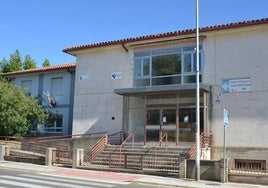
column 145, row 162
column 40, row 147
column 248, row 166
column 12, row 138
column 63, row 157
column 159, row 143
column 160, row 162
column 128, row 161
column 97, row 148
column 205, row 141
column 165, row 136
column 116, row 138
column 125, row 141
column 47, row 138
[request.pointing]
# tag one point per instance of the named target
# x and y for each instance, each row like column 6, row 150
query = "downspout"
column 124, row 46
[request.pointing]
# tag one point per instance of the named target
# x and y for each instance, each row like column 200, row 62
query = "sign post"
column 226, row 124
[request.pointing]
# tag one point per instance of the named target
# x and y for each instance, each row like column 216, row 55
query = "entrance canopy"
column 161, row 89
column 151, row 112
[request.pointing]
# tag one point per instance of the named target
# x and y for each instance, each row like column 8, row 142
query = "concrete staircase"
column 25, row 156
column 143, row 158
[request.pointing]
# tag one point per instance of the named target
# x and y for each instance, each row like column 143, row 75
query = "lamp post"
column 197, row 160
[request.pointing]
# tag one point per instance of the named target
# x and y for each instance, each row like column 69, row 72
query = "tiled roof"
column 43, row 69
column 168, row 34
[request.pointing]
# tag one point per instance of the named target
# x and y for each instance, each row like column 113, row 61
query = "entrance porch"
column 150, row 113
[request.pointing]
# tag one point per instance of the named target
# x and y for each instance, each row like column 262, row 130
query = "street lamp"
column 197, row 160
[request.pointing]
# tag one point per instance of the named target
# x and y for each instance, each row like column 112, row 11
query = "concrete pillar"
column 78, row 157
column 7, row 150
column 2, row 152
column 182, row 169
column 50, row 156
column 205, row 154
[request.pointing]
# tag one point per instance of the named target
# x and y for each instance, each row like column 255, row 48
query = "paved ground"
column 120, row 177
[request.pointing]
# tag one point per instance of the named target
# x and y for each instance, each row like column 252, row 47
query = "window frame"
column 182, row 76
column 26, row 85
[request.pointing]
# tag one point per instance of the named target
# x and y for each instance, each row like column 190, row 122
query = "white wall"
column 239, row 54
column 96, row 107
column 62, row 100
column 33, row 78
column 228, row 54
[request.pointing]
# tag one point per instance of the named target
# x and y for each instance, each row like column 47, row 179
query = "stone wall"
column 209, row 170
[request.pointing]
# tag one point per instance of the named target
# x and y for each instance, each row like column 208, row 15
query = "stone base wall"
column 209, row 170
column 251, row 178
column 245, row 153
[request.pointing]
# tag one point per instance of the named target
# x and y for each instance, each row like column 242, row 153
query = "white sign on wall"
column 83, row 78
column 225, row 117
column 236, row 85
column 116, row 75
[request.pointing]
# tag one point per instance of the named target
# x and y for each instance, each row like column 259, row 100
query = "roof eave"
column 72, row 50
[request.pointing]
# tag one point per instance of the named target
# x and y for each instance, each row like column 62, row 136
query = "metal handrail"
column 205, row 141
column 132, row 142
column 116, row 138
column 160, row 144
column 98, row 147
column 37, row 139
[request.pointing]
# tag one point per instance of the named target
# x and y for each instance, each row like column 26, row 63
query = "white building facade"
column 146, row 86
column 54, row 87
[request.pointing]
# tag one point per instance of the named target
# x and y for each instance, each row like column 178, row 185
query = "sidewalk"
column 119, row 177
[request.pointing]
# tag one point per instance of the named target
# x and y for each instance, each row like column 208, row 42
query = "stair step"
column 26, row 159
column 167, row 160
column 23, row 153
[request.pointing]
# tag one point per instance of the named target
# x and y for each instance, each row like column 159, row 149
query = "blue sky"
column 43, row 28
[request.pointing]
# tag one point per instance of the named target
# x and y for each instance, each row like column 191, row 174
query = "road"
column 19, row 179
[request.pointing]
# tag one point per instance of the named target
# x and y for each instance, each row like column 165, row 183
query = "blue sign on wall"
column 236, row 85
column 225, row 86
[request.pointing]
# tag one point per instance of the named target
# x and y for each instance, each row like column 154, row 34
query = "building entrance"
column 160, row 121
column 178, row 123
column 150, row 115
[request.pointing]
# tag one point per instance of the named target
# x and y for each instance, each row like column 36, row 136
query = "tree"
column 17, row 111
column 4, row 66
column 15, row 61
column 46, row 63
column 28, row 63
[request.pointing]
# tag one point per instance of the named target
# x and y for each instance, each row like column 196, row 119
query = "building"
column 54, row 87
column 146, row 86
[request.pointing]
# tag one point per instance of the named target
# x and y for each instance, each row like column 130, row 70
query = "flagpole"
column 197, row 161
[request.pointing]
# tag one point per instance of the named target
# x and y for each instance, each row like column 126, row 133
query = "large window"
column 166, row 66
column 27, row 86
column 54, row 123
column 57, row 87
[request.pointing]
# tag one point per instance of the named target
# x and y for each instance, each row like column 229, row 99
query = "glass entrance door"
column 161, row 121
column 153, row 125
column 170, row 123
column 187, row 124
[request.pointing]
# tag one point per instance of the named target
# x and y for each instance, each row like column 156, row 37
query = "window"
column 27, row 86
column 250, row 165
column 57, row 86
column 166, row 66
column 142, row 67
column 54, row 123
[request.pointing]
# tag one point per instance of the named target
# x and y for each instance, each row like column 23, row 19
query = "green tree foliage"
column 28, row 63
column 15, row 61
column 4, row 66
column 46, row 63
column 17, row 111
